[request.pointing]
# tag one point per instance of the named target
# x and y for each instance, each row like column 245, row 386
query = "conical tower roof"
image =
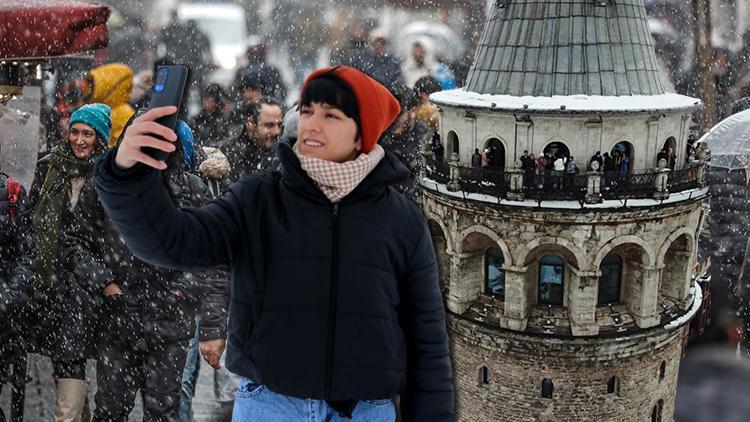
column 544, row 48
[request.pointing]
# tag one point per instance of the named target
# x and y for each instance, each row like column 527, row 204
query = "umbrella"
column 729, row 142
column 443, row 39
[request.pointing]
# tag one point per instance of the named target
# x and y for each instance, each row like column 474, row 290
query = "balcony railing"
column 590, row 187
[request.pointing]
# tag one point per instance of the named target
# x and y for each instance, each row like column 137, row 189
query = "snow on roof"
column 574, row 104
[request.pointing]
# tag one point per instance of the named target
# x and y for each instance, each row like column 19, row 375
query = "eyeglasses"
column 86, row 133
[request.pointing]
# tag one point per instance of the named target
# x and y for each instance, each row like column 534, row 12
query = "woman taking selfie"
column 335, row 304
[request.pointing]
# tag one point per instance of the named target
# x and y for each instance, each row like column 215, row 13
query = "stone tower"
column 568, row 293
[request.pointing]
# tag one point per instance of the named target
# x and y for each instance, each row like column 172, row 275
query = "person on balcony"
column 609, row 169
column 476, row 163
column 557, row 172
column 571, row 169
column 624, row 167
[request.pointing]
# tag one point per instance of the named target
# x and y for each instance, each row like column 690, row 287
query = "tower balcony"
column 533, row 187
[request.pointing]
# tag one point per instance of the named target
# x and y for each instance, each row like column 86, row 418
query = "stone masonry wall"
column 579, row 369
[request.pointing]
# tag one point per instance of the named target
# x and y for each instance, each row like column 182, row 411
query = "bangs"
column 331, row 90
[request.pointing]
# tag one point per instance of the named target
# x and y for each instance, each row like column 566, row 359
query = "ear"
column 358, row 144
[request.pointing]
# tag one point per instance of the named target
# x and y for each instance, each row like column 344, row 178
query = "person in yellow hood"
column 111, row 84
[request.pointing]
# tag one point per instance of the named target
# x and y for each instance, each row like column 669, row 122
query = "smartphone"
column 169, row 85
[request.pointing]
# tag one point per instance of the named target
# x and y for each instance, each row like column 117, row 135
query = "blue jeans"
column 188, row 374
column 255, row 402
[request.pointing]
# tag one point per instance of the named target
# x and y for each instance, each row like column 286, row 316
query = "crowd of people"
column 75, row 292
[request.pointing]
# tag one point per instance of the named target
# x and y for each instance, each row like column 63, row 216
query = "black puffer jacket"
column 334, row 302
column 16, row 272
column 148, row 310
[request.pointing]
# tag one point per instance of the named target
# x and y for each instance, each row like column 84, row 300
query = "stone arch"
column 439, row 221
column 635, row 255
column 474, row 265
column 628, row 148
column 492, row 235
column 606, row 248
column 556, row 147
column 441, row 245
column 670, row 239
column 561, row 244
column 676, row 261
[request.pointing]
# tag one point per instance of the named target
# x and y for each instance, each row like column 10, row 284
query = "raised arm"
column 133, row 194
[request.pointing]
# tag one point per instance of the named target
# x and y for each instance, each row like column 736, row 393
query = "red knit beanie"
column 378, row 108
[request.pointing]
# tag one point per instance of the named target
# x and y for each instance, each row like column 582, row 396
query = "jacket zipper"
column 332, row 299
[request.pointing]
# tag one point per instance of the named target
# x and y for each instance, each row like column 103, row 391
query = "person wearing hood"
column 112, row 84
column 147, row 313
column 67, row 311
column 336, row 307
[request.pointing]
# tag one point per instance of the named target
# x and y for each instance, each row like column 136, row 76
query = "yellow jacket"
column 112, row 85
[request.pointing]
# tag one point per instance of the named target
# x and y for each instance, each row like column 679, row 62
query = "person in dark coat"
column 259, row 73
column 16, row 275
column 65, row 312
column 335, row 294
column 147, row 313
column 211, row 125
column 254, row 149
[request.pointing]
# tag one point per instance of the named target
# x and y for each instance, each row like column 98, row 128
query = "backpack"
column 14, row 192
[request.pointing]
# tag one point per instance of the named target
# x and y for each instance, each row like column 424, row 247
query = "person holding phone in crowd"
column 335, row 306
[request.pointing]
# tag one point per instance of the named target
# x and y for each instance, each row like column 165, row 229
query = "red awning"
column 48, row 28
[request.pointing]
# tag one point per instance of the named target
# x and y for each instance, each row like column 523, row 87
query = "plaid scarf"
column 336, row 180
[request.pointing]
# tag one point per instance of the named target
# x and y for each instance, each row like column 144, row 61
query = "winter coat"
column 210, row 128
column 16, row 273
column 64, row 317
column 157, row 305
column 113, row 84
column 334, row 302
column 245, row 156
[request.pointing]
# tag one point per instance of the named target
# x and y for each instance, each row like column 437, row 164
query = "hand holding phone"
column 169, row 86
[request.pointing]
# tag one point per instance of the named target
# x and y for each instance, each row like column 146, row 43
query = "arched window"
column 610, row 280
column 453, row 145
column 494, row 275
column 668, row 152
column 557, row 149
column 495, row 154
column 551, row 279
column 613, row 386
column 662, row 371
column 485, row 375
column 547, row 388
column 622, row 159
column 657, row 411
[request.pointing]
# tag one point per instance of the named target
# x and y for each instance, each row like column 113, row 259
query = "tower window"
column 485, row 375
column 493, row 273
column 551, row 279
column 547, row 388
column 657, row 411
column 610, row 280
column 613, row 386
column 662, row 371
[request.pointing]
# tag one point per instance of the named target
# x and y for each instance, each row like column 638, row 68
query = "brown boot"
column 71, row 398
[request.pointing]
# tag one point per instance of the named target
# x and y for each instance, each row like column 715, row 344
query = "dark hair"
column 252, row 109
column 331, row 90
column 426, row 84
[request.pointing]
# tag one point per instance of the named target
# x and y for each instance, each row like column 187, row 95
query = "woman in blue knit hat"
column 65, row 321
